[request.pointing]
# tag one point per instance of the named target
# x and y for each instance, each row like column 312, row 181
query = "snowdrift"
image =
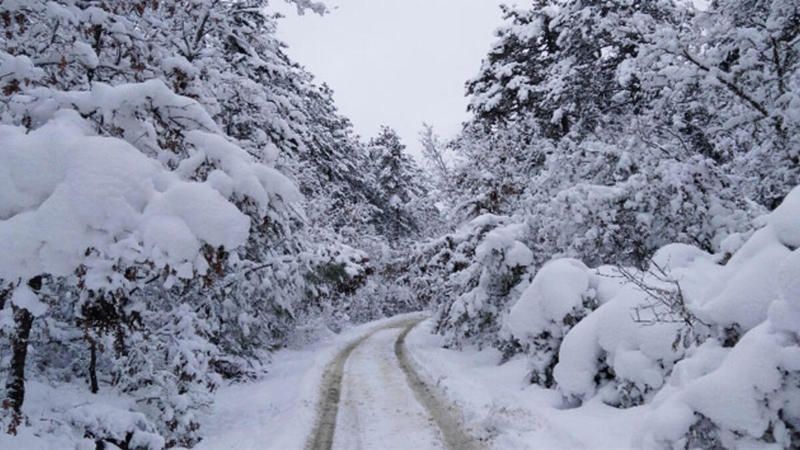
column 710, row 343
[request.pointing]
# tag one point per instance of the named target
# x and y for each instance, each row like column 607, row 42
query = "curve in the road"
column 445, row 417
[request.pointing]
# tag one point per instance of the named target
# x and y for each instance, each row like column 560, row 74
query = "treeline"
column 179, row 199
column 652, row 136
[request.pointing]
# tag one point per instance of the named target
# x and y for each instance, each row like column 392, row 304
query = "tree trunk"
column 5, row 293
column 93, row 366
column 15, row 385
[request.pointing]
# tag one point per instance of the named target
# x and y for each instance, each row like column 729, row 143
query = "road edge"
column 446, row 416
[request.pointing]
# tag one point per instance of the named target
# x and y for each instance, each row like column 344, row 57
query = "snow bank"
column 627, row 349
column 678, row 256
column 710, row 344
column 747, row 396
column 505, row 411
column 747, row 286
column 784, row 220
column 610, row 348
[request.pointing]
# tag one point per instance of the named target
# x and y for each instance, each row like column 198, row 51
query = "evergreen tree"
column 397, row 180
column 205, row 93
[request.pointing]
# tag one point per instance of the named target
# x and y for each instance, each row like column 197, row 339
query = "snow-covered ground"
column 378, row 407
column 275, row 412
column 56, row 411
column 279, row 411
column 509, row 413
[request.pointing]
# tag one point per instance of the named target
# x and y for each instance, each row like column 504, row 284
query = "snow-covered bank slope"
column 509, row 413
column 694, row 351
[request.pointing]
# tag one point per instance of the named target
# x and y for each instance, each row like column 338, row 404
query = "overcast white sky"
column 396, row 62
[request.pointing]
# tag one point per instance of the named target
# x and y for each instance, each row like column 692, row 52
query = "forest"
column 180, row 201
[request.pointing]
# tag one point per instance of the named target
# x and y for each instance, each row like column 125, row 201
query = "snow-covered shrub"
column 644, row 325
column 434, row 268
column 446, row 275
column 592, row 222
column 338, row 277
column 382, row 296
column 487, row 286
column 745, row 396
column 108, row 425
column 167, row 368
column 739, row 298
column 562, row 293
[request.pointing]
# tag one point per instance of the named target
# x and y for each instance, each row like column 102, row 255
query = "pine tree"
column 396, row 177
column 174, row 100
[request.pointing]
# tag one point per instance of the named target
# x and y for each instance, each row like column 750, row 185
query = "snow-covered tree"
column 591, row 127
column 102, row 215
column 558, row 63
column 397, row 179
column 433, row 149
column 205, row 95
column 726, row 82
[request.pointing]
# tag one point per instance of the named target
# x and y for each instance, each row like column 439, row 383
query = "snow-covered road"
column 390, row 384
column 376, row 400
column 378, row 408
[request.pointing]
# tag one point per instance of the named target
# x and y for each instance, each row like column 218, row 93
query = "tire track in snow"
column 446, row 418
column 322, row 436
column 328, row 409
